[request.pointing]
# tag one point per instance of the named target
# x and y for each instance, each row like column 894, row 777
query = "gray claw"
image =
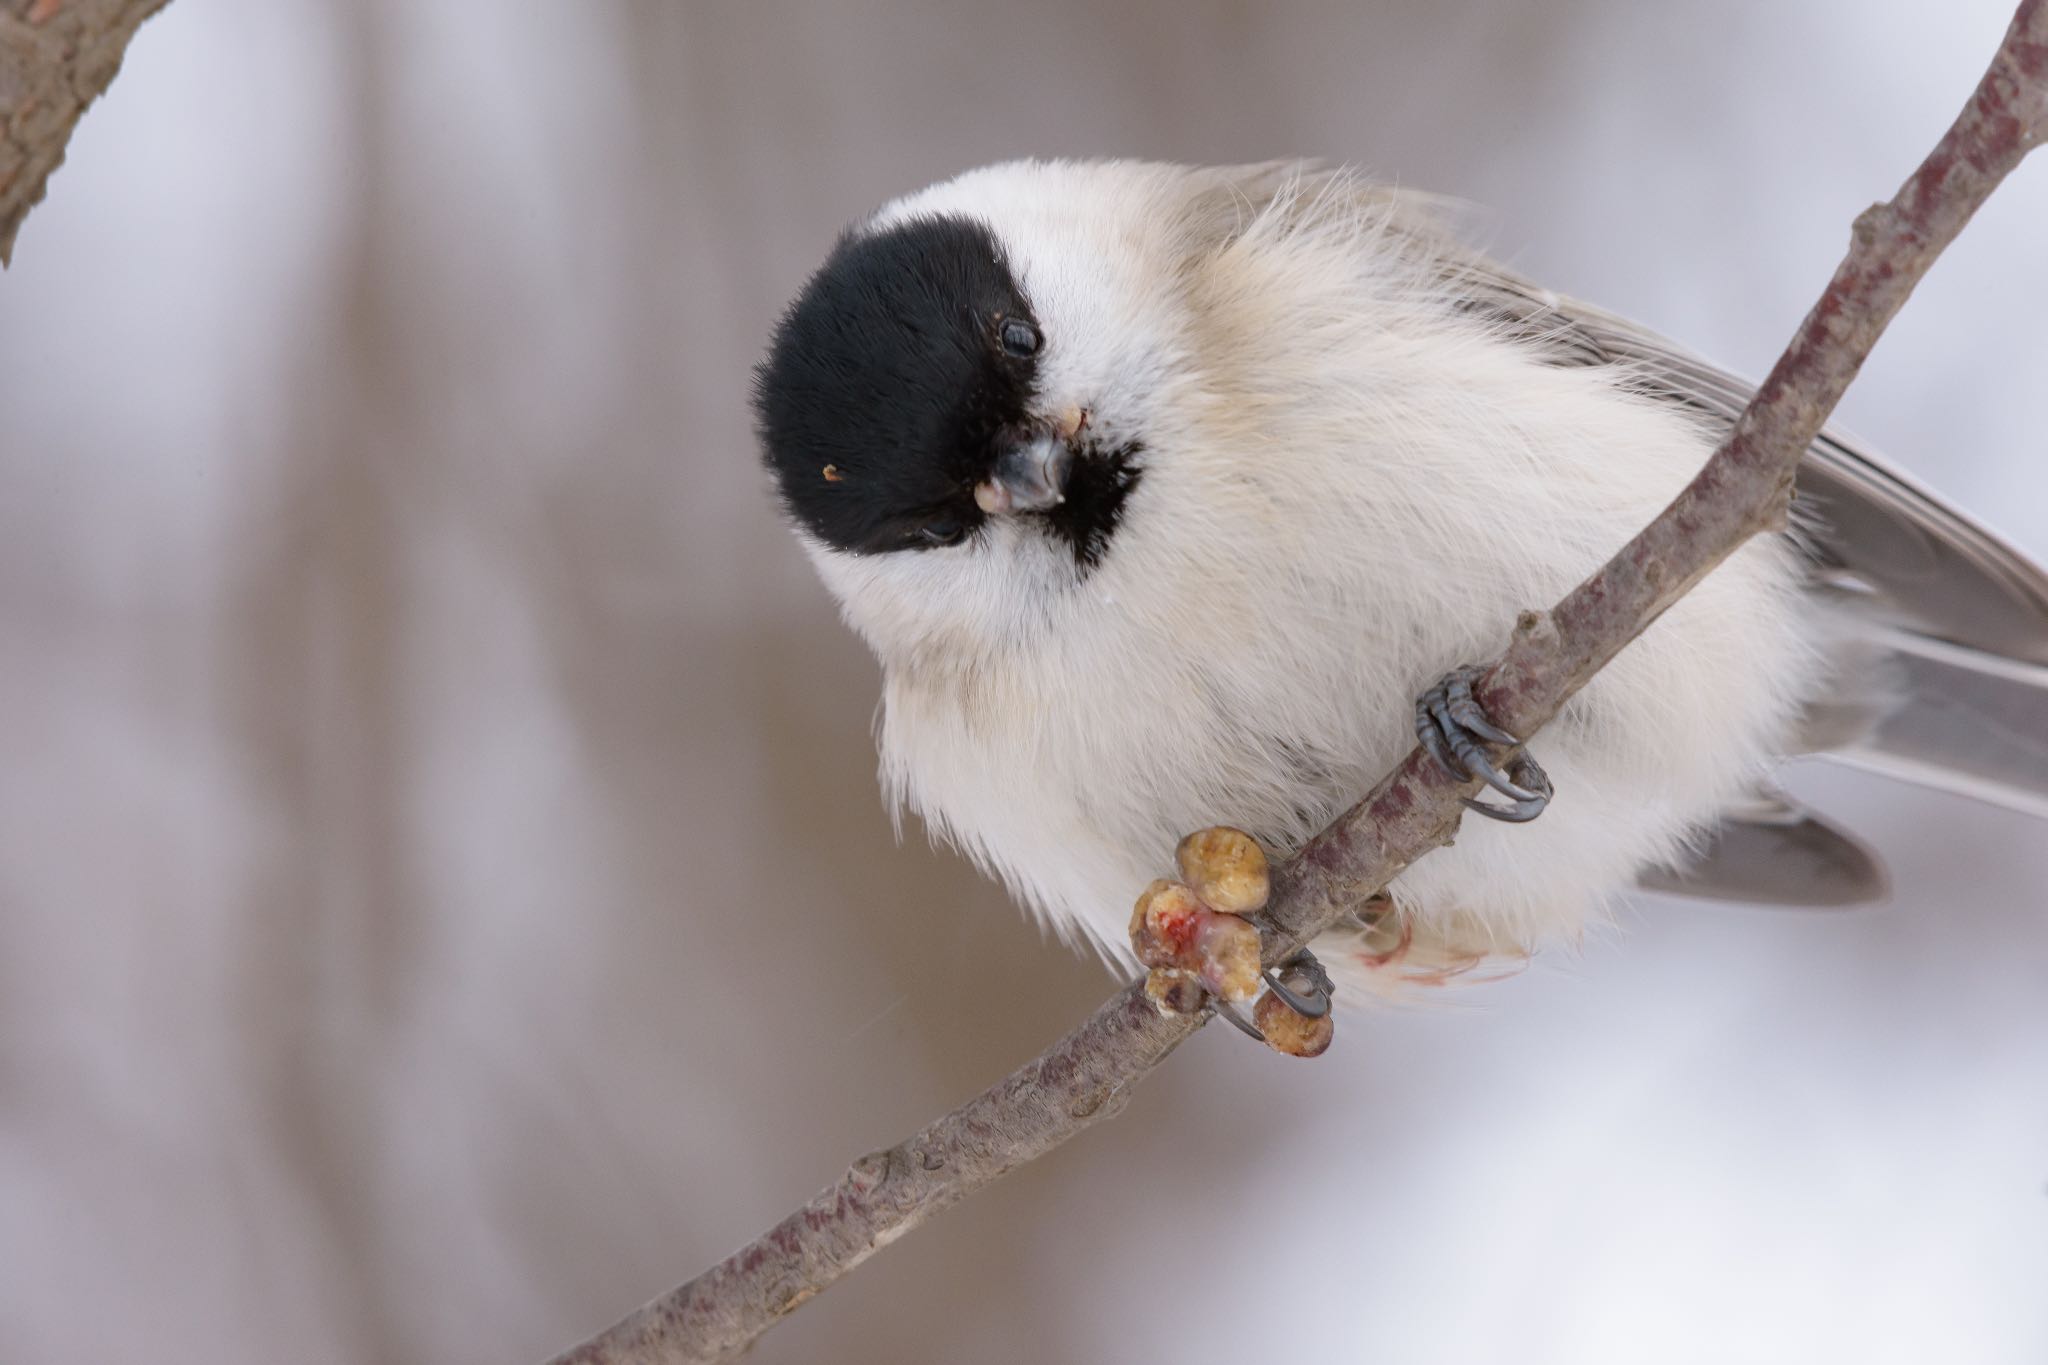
column 1477, row 764
column 1304, row 967
column 1432, row 737
column 1465, row 709
column 1523, row 809
column 1451, row 723
column 1307, row 972
column 1225, row 1010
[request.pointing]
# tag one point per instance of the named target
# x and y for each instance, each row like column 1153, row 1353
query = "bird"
column 1174, row 496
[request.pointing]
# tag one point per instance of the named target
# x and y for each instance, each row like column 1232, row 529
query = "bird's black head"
column 903, row 381
column 890, row 383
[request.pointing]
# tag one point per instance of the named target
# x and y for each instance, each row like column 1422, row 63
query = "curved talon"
column 1311, row 1006
column 1224, row 1009
column 1480, row 766
column 1523, row 809
column 1450, row 722
column 1465, row 709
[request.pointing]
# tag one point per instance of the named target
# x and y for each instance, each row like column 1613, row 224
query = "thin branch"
column 1087, row 1076
column 56, row 56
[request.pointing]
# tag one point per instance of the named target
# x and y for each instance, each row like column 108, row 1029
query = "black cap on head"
column 892, row 382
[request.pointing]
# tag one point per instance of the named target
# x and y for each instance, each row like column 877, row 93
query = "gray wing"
column 1952, row 660
column 1771, row 852
column 1956, row 620
column 1874, row 530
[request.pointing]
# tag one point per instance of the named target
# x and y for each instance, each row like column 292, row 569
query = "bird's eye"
column 1020, row 338
column 942, row 531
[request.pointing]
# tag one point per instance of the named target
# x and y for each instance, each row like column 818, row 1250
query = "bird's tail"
column 1962, row 720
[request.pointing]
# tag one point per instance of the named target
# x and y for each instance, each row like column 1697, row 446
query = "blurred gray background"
column 443, row 895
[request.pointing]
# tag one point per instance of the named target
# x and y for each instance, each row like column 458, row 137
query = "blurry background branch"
column 1746, row 487
column 56, row 56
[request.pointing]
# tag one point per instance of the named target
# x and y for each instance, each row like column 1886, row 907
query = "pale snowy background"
column 443, row 899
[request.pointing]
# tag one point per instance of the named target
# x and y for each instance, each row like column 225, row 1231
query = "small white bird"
column 1162, row 493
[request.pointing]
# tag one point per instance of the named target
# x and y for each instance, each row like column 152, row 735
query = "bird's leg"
column 1454, row 728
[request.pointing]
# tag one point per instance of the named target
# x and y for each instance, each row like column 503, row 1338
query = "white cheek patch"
column 1092, row 249
column 1109, row 348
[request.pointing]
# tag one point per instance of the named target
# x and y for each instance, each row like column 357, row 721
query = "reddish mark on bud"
column 1171, row 928
column 1163, row 923
column 43, row 11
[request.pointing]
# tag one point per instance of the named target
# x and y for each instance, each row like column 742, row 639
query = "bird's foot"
column 1454, row 727
column 1293, row 1016
column 1302, row 985
column 1204, row 954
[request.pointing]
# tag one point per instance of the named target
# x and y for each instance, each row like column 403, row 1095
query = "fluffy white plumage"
column 1351, row 484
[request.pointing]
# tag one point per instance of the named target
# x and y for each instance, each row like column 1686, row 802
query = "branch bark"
column 1087, row 1076
column 56, row 56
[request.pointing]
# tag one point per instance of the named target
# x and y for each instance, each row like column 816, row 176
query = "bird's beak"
column 1030, row 476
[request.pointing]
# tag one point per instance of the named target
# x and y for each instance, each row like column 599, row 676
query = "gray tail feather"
column 1964, row 721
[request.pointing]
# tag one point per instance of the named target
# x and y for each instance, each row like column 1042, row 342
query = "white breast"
column 1352, row 490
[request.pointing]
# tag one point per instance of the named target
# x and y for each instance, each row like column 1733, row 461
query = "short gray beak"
column 1029, row 477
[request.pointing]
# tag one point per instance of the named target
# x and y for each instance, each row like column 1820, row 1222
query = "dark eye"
column 942, row 531
column 1020, row 338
